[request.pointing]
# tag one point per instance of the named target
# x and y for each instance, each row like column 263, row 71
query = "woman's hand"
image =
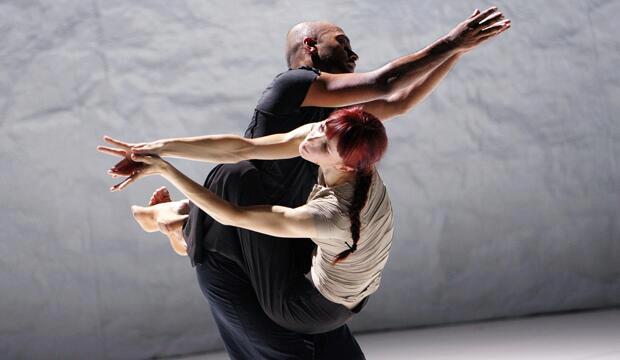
column 477, row 28
column 126, row 166
column 146, row 165
column 130, row 165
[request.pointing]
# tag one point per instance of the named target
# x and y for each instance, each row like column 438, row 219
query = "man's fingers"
column 111, row 151
column 495, row 17
column 493, row 33
column 495, row 28
column 483, row 15
column 476, row 12
column 116, row 142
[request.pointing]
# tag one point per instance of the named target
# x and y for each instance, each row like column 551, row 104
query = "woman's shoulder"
column 378, row 200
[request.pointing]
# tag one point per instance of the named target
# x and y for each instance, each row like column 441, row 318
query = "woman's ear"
column 345, row 168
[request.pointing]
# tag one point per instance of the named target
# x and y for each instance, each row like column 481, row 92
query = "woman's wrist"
column 164, row 146
column 167, row 170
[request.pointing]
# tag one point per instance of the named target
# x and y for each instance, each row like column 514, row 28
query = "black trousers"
column 248, row 333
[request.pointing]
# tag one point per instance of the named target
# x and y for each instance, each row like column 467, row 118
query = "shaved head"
column 308, row 29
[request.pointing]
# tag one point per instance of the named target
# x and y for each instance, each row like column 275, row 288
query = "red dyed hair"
column 361, row 137
column 361, row 143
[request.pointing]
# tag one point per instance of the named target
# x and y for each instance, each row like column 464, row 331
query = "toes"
column 161, row 195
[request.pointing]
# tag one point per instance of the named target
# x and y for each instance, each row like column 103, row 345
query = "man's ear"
column 310, row 45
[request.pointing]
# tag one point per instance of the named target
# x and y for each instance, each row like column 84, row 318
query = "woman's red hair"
column 361, row 143
column 361, row 137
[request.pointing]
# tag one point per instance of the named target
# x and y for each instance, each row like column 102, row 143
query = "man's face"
column 335, row 53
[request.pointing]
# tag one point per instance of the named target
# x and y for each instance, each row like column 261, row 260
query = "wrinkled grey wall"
column 505, row 181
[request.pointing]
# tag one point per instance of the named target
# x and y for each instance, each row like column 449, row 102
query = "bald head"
column 297, row 34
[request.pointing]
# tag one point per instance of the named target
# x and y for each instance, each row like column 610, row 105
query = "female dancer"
column 348, row 215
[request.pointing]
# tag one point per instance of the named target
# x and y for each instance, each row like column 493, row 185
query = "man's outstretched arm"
column 405, row 100
column 337, row 90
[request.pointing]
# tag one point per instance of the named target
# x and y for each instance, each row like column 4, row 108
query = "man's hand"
column 477, row 28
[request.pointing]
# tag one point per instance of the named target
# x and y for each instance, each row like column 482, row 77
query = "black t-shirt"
column 282, row 182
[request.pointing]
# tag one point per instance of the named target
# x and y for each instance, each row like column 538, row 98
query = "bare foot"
column 174, row 232
column 145, row 216
column 160, row 195
column 161, row 210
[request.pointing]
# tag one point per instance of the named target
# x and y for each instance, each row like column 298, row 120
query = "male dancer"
column 320, row 78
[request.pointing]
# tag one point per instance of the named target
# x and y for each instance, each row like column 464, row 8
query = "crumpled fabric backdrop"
column 505, row 182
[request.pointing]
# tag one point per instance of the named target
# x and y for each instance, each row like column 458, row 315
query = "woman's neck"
column 335, row 177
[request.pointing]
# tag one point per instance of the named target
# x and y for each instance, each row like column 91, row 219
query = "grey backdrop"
column 505, row 182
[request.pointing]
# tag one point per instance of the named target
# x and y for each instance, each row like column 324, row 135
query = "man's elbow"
column 396, row 105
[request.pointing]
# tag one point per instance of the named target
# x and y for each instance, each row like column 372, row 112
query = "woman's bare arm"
column 234, row 148
column 214, row 148
column 273, row 220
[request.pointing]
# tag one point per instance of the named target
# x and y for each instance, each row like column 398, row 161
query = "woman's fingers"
column 129, row 180
column 125, row 167
column 147, row 159
column 117, row 142
column 120, row 186
column 143, row 150
column 111, row 151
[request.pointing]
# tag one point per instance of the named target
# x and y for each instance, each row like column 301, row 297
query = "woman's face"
column 317, row 148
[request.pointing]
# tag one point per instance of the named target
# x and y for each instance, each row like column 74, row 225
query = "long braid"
column 361, row 143
column 363, row 180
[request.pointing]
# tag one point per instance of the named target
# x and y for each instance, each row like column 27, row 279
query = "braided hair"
column 361, row 143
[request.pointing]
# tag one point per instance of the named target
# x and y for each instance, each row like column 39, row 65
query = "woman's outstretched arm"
column 234, row 148
column 278, row 221
column 216, row 148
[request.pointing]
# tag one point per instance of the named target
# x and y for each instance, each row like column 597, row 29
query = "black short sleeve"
column 287, row 91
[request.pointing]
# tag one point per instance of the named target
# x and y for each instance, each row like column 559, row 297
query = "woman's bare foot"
column 166, row 216
column 161, row 209
column 160, row 195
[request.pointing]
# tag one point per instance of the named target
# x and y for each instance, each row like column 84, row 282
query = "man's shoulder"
column 301, row 73
column 287, row 91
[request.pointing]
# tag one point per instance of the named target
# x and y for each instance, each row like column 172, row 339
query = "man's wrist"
column 446, row 45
